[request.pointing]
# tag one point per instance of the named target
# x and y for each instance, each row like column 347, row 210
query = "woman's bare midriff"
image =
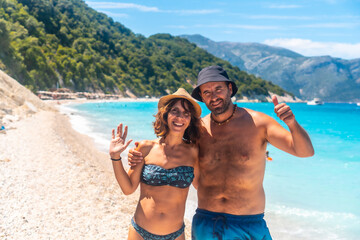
column 161, row 208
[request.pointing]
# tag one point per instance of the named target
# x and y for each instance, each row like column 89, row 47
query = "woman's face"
column 178, row 117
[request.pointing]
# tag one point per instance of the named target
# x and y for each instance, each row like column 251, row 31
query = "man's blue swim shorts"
column 208, row 225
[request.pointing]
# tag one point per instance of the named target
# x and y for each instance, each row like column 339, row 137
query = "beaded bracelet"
column 115, row 160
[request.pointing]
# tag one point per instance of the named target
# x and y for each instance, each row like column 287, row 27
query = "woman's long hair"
column 161, row 128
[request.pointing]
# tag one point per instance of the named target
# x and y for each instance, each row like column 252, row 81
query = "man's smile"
column 216, row 103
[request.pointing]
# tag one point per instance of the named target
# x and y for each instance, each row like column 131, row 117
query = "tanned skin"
column 160, row 209
column 232, row 155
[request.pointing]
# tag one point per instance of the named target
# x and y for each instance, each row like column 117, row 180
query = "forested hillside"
column 65, row 43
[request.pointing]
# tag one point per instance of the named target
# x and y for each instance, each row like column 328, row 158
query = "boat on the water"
column 315, row 101
column 358, row 104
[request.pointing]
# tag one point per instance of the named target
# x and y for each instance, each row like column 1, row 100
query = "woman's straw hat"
column 180, row 93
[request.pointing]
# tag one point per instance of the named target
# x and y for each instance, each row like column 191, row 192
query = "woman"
column 168, row 169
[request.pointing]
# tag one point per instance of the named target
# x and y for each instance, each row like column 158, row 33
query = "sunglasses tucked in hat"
column 180, row 93
column 212, row 74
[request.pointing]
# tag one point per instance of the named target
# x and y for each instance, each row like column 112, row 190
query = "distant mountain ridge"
column 332, row 79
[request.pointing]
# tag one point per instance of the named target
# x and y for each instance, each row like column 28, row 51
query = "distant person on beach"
column 2, row 129
column 231, row 198
column 268, row 156
column 167, row 172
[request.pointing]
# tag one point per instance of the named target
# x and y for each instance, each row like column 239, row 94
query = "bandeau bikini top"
column 180, row 177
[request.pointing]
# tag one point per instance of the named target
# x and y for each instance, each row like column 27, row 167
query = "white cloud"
column 284, row 6
column 252, row 27
column 119, row 15
column 143, row 8
column 330, row 25
column 196, row 12
column 281, row 17
column 310, row 48
column 238, row 26
column 114, row 5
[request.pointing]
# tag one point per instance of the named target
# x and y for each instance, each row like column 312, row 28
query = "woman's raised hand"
column 117, row 143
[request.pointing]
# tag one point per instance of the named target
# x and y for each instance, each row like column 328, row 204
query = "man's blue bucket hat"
column 212, row 74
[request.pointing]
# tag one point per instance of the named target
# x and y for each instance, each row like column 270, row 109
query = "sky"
column 308, row 27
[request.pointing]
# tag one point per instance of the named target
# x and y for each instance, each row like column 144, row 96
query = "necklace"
column 226, row 121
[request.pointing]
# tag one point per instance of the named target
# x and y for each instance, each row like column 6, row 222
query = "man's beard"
column 221, row 109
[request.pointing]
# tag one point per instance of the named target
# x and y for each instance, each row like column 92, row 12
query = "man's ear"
column 230, row 88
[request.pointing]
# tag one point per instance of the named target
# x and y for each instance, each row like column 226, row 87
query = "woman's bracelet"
column 115, row 160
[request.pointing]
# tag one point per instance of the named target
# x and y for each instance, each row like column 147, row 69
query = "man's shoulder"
column 257, row 116
column 254, row 113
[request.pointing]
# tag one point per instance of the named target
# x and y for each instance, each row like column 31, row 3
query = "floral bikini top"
column 180, row 177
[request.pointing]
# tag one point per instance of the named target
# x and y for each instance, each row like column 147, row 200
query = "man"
column 231, row 199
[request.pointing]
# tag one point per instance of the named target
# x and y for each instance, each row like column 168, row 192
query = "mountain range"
column 325, row 77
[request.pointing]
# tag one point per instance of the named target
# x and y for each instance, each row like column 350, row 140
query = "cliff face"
column 16, row 100
column 332, row 79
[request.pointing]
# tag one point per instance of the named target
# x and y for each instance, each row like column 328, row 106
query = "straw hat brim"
column 180, row 93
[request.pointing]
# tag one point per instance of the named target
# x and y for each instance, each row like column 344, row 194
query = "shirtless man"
column 231, row 198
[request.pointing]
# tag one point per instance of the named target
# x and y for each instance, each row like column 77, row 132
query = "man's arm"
column 135, row 157
column 296, row 142
column 195, row 182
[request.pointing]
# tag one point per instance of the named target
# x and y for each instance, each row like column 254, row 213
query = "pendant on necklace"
column 227, row 120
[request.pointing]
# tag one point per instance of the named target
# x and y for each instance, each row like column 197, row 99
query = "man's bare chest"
column 223, row 148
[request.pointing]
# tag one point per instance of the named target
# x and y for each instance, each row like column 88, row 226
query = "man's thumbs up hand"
column 283, row 111
column 275, row 100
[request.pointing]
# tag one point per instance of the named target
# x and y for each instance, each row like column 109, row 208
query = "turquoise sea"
column 306, row 198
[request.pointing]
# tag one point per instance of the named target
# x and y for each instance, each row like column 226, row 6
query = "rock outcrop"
column 16, row 101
